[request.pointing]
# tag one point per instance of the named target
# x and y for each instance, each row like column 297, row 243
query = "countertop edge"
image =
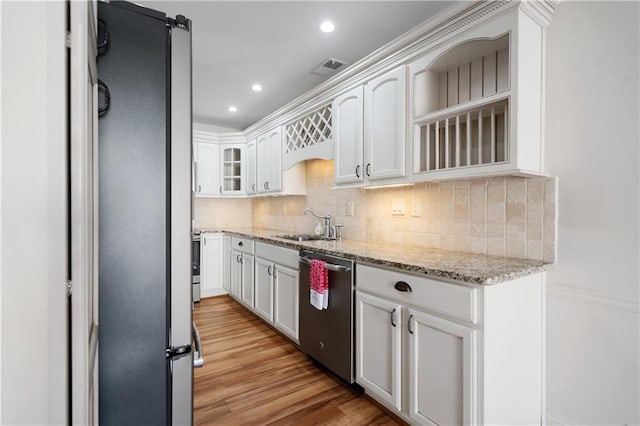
column 434, row 273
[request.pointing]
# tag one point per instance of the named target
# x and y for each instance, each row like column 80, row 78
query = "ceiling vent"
column 328, row 67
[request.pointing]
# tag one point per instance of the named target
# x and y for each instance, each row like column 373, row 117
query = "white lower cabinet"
column 378, row 368
column 246, row 283
column 236, row 275
column 211, row 264
column 264, row 289
column 441, row 353
column 441, row 370
column 285, row 290
column 226, row 267
column 277, row 288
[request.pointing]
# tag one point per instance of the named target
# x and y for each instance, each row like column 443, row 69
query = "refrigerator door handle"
column 198, row 359
column 176, row 352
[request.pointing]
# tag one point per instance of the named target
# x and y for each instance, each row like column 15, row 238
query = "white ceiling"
column 237, row 43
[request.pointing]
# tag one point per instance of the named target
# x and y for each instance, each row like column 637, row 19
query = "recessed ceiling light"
column 327, row 27
column 256, row 87
column 232, row 109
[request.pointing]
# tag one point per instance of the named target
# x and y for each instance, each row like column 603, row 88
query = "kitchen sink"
column 303, row 237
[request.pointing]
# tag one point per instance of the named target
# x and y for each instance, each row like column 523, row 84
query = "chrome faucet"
column 329, row 232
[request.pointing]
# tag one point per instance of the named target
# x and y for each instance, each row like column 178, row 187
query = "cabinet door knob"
column 368, row 169
column 393, row 317
column 357, row 170
column 409, row 324
column 402, row 286
column 240, row 243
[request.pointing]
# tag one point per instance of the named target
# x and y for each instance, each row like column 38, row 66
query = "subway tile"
column 516, row 231
column 549, row 252
column 516, row 248
column 495, row 246
column 534, row 231
column 478, row 229
column 517, row 189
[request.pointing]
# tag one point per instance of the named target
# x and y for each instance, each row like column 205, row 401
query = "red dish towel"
column 318, row 285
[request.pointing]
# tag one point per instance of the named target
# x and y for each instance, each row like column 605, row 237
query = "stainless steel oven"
column 327, row 335
column 195, row 265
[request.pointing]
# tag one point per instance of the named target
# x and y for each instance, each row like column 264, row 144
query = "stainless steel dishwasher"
column 327, row 335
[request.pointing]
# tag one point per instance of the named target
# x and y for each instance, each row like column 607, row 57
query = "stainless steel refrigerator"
column 145, row 310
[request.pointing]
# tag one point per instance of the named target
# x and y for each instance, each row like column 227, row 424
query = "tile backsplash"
column 511, row 216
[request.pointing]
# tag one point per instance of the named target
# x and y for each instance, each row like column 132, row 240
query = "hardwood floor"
column 254, row 376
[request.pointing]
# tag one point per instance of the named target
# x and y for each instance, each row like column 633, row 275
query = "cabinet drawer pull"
column 409, row 324
column 238, row 258
column 269, row 270
column 357, row 170
column 393, row 317
column 267, row 185
column 221, row 189
column 402, row 286
column 368, row 169
column 253, row 188
column 199, row 188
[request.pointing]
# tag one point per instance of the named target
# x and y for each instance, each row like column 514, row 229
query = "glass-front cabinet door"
column 232, row 176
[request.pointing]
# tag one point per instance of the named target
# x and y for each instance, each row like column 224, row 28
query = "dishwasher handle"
column 327, row 266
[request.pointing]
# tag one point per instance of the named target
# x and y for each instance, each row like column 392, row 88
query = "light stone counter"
column 440, row 264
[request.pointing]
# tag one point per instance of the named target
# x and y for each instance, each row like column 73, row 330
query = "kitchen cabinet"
column 439, row 352
column 476, row 101
column 251, row 156
column 231, row 168
column 348, row 121
column 211, row 274
column 264, row 289
column 286, row 297
column 277, row 287
column 269, row 149
column 441, row 369
column 378, row 349
column 370, row 130
column 242, row 270
column 207, row 169
column 226, row 259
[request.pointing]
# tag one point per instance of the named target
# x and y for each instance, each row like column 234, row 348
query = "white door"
column 211, row 273
column 264, row 162
column 246, row 263
column 250, row 166
column 264, row 289
column 378, row 350
column 441, row 370
column 83, row 211
column 275, row 166
column 286, row 295
column 347, row 130
column 208, row 168
column 236, row 274
column 384, row 125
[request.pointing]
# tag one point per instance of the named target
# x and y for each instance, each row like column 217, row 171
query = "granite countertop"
column 440, row 264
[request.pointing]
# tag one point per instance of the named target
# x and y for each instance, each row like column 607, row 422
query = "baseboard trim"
column 554, row 419
column 592, row 297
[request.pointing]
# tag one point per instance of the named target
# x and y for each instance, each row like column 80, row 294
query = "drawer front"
column 245, row 245
column 276, row 254
column 457, row 301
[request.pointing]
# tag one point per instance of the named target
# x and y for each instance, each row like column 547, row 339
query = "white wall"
column 33, row 216
column 210, row 128
column 592, row 145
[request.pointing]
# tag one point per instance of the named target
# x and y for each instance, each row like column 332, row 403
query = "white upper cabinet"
column 232, row 182
column 369, row 127
column 348, row 134
column 207, row 169
column 251, row 155
column 384, row 125
column 269, row 148
column 475, row 102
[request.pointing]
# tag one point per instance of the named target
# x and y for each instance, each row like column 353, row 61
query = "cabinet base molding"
column 213, row 293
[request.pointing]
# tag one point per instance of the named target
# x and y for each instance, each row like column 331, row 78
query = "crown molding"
column 228, row 137
column 540, row 10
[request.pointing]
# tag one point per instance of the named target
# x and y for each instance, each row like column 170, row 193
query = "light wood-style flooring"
column 254, row 376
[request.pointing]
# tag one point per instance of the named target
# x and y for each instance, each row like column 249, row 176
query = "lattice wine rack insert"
column 313, row 129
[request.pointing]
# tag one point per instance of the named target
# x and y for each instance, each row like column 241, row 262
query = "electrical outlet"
column 416, row 208
column 397, row 206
